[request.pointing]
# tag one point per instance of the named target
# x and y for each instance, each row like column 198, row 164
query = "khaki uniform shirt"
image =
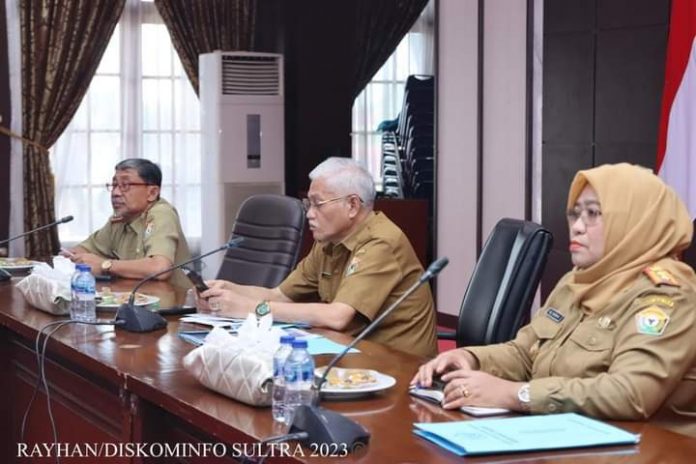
column 369, row 271
column 156, row 232
column 630, row 361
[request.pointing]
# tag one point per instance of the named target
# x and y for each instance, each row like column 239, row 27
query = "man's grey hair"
column 146, row 169
column 345, row 177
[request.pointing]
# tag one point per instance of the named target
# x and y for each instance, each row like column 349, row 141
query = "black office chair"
column 272, row 227
column 502, row 287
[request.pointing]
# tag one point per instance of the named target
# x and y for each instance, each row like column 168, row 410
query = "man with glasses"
column 144, row 234
column 360, row 263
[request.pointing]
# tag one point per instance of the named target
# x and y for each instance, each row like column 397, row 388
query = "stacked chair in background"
column 407, row 151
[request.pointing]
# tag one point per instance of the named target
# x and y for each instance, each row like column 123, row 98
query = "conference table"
column 111, row 386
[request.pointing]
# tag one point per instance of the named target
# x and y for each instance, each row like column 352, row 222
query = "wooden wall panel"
column 603, row 78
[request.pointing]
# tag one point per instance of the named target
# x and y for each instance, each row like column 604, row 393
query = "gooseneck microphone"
column 29, row 232
column 134, row 319
column 324, row 427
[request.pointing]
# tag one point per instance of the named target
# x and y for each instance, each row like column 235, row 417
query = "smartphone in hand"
column 196, row 279
column 438, row 383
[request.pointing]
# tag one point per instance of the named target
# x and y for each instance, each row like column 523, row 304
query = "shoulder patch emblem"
column 149, row 228
column 353, row 266
column 660, row 276
column 652, row 321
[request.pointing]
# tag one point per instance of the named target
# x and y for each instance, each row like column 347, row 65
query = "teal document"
column 316, row 344
column 528, row 433
column 322, row 345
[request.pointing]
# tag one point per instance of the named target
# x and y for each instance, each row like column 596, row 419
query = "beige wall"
column 504, row 111
column 457, row 128
column 503, row 131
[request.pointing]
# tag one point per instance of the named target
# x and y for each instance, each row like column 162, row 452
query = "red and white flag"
column 676, row 145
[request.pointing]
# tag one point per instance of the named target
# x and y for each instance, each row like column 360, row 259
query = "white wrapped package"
column 241, row 366
column 48, row 288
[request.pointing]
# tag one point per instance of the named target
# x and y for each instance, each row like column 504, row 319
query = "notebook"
column 435, row 395
column 527, row 433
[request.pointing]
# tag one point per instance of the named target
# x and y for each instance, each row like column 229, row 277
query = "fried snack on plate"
column 350, row 378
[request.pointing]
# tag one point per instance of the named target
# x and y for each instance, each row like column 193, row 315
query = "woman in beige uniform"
column 616, row 338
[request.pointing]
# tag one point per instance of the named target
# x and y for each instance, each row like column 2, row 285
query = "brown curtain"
column 62, row 44
column 380, row 26
column 202, row 26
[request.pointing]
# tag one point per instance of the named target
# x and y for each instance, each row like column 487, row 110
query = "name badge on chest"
column 554, row 315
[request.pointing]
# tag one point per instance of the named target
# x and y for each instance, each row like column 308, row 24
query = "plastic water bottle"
column 279, row 358
column 299, row 378
column 83, row 286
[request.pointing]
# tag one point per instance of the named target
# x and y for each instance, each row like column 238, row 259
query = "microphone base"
column 329, row 428
column 136, row 319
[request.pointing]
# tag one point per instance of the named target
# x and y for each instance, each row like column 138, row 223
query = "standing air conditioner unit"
column 242, row 139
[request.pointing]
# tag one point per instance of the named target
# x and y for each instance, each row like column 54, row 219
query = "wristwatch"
column 523, row 397
column 262, row 309
column 106, row 266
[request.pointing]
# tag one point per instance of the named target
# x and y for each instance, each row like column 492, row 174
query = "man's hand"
column 92, row 260
column 67, row 253
column 221, row 284
column 228, row 302
column 447, row 361
column 466, row 387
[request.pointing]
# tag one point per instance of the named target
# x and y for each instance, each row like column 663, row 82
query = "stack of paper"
column 528, row 433
column 436, row 396
column 213, row 321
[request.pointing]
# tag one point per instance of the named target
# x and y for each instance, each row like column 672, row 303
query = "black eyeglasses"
column 123, row 186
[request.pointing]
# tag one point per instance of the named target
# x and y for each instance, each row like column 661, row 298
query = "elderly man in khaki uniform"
column 360, row 264
column 616, row 338
column 143, row 236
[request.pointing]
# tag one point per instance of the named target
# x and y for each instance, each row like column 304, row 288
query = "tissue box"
column 240, row 367
column 45, row 294
column 244, row 375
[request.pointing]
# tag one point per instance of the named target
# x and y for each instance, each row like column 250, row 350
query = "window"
column 382, row 97
column 140, row 104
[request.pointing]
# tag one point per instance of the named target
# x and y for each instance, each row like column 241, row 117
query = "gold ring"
column 465, row 393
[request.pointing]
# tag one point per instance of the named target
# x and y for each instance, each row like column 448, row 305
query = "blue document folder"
column 322, row 345
column 518, row 434
column 315, row 345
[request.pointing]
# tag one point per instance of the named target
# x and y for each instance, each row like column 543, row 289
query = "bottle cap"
column 84, row 267
column 286, row 339
column 299, row 343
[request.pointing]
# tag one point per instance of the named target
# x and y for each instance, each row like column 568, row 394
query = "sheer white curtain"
column 422, row 44
column 383, row 96
column 139, row 104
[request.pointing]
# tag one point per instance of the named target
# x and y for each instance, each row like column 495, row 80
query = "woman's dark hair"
column 146, row 169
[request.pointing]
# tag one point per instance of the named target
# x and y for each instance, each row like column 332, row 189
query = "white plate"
column 382, row 382
column 11, row 264
column 122, row 297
